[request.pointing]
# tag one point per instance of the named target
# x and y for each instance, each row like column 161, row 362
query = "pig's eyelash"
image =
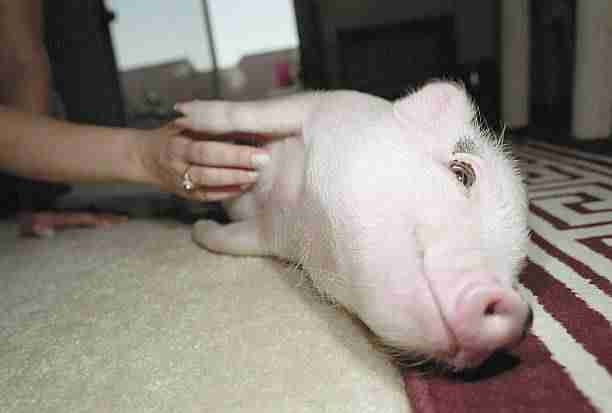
column 465, row 145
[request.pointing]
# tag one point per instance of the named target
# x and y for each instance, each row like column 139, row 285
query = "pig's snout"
column 487, row 318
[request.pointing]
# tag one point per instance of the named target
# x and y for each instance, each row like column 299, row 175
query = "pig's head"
column 432, row 231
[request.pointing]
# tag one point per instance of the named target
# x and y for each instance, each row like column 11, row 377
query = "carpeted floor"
column 565, row 365
column 137, row 318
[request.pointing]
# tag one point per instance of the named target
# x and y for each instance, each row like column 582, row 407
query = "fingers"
column 278, row 117
column 216, row 184
column 217, row 154
column 216, row 194
column 206, row 170
column 206, row 116
column 217, row 177
column 63, row 220
column 45, row 224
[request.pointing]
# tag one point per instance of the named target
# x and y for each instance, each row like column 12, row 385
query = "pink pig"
column 406, row 213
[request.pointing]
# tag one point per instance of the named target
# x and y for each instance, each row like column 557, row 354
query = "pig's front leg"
column 236, row 238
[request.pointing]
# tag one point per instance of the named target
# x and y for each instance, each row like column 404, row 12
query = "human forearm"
column 31, row 95
column 25, row 70
column 42, row 148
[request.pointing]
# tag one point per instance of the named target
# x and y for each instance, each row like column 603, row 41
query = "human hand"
column 47, row 223
column 173, row 158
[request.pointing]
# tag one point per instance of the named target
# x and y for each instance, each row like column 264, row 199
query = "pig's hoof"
column 235, row 238
column 204, row 232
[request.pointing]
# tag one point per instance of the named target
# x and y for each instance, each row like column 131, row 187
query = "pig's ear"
column 436, row 104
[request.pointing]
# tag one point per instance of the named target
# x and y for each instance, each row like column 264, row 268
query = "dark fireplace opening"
column 379, row 59
column 390, row 48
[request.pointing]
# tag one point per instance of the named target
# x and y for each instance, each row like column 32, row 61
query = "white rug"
column 137, row 318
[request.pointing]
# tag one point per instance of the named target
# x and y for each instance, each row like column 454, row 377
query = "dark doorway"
column 83, row 61
column 552, row 64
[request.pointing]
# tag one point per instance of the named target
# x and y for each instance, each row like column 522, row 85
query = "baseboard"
column 601, row 146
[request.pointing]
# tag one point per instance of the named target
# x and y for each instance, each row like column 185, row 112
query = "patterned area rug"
column 565, row 364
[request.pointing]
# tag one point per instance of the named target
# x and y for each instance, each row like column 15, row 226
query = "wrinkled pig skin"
column 407, row 213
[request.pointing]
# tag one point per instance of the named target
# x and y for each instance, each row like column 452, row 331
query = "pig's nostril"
column 490, row 309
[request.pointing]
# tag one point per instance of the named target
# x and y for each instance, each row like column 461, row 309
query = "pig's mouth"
column 455, row 357
column 450, row 355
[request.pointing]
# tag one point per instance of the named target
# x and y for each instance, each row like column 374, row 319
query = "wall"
column 592, row 111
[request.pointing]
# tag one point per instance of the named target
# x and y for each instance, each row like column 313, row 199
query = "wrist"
column 136, row 157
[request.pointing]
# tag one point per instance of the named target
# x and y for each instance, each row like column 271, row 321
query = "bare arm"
column 23, row 56
column 42, row 148
column 38, row 147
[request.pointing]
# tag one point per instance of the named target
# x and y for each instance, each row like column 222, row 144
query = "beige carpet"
column 137, row 318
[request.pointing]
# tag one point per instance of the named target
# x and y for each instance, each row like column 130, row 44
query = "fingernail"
column 253, row 175
column 221, row 196
column 260, row 160
column 244, row 187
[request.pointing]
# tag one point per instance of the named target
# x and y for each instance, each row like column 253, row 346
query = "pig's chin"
column 466, row 359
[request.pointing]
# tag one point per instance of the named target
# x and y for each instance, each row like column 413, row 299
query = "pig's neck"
column 281, row 182
column 297, row 218
column 278, row 196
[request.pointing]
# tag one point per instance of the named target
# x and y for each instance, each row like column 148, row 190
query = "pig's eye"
column 463, row 172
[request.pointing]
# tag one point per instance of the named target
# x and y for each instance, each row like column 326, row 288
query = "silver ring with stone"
column 187, row 183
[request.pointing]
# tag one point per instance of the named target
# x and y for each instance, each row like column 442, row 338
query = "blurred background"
column 537, row 67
